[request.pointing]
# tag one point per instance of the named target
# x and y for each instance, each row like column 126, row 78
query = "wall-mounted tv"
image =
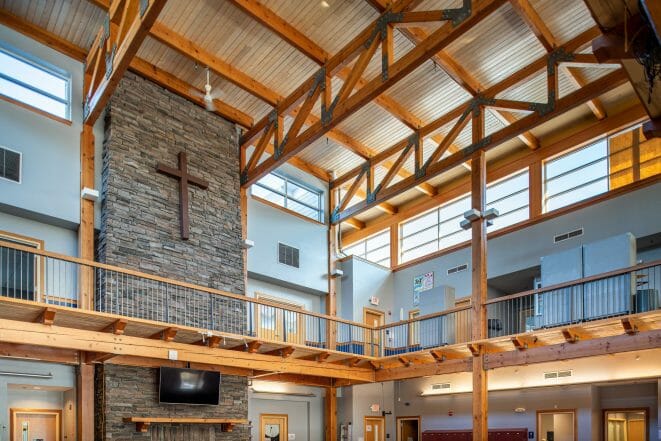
column 189, row 386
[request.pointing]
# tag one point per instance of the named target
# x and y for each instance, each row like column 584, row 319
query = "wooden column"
column 330, row 414
column 479, row 282
column 535, row 192
column 86, row 228
column 244, row 235
column 85, row 405
column 394, row 245
column 331, row 298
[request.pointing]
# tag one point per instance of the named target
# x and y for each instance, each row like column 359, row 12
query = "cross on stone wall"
column 184, row 179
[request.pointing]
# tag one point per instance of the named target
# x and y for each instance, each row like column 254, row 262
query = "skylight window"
column 35, row 83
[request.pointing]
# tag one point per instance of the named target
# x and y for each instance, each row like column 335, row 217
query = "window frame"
column 525, row 189
column 320, row 195
column 20, row 167
column 363, row 243
column 46, row 67
column 546, row 180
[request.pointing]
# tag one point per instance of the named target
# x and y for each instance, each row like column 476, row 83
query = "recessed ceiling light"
column 324, row 4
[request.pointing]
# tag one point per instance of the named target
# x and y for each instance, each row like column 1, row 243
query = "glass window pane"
column 578, row 177
column 268, row 195
column 455, row 209
column 302, row 194
column 510, row 218
column 274, row 182
column 303, row 209
column 378, row 241
column 418, row 252
column 579, row 194
column 421, row 238
column 453, row 238
column 507, row 187
column 357, row 249
column 32, row 75
column 576, row 158
column 32, row 98
column 420, row 223
column 377, row 255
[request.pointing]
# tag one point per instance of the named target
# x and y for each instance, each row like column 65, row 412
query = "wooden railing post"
column 479, row 283
column 86, row 228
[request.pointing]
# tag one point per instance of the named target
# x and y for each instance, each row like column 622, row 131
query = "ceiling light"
column 324, row 4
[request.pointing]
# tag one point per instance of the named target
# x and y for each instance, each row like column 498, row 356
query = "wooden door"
column 636, row 430
column 279, row 324
column 374, row 429
column 408, row 429
column 35, row 424
column 372, row 317
column 273, row 427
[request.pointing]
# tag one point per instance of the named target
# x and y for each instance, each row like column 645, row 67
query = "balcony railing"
column 53, row 279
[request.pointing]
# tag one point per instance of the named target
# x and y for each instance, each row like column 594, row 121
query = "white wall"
column 267, row 226
column 49, row 193
column 637, row 212
column 11, row 394
column 305, row 415
column 56, row 239
column 51, row 162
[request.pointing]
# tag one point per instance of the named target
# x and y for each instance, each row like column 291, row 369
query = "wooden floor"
column 101, row 337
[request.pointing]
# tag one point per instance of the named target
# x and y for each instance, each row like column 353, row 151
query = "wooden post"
column 244, row 235
column 331, row 298
column 85, row 405
column 330, row 410
column 479, row 282
column 86, row 228
column 535, row 192
column 394, row 245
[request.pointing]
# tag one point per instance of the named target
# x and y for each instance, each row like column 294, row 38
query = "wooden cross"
column 184, row 178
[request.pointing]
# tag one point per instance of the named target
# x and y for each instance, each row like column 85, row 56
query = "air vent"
column 440, row 386
column 10, row 165
column 564, row 374
column 557, row 374
column 458, row 269
column 565, row 236
column 550, row 375
column 287, row 255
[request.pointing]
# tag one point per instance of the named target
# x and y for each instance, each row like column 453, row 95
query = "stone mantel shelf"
column 142, row 423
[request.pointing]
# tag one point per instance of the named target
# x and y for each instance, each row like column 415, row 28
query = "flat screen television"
column 188, row 386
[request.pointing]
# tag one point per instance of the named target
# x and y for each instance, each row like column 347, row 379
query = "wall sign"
column 423, row 282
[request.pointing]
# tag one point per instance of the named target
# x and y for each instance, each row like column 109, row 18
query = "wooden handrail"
column 423, row 317
column 576, row 282
column 336, row 319
column 215, row 291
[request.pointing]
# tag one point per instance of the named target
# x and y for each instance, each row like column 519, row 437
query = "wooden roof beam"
column 346, row 106
column 546, row 38
column 293, row 36
column 128, row 29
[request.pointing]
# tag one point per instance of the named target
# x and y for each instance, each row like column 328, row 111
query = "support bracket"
column 458, row 15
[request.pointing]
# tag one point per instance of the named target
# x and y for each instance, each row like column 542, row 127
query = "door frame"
column 21, row 410
column 398, row 422
column 284, row 305
column 572, row 411
column 262, row 416
column 380, row 418
column 372, row 335
column 604, row 421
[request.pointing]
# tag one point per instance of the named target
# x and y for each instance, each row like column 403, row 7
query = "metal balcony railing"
column 53, row 279
column 627, row 291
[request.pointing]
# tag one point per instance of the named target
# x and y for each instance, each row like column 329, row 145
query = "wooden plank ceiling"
column 259, row 51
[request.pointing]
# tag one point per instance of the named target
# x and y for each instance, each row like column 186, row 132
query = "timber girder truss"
column 336, row 107
column 430, row 166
